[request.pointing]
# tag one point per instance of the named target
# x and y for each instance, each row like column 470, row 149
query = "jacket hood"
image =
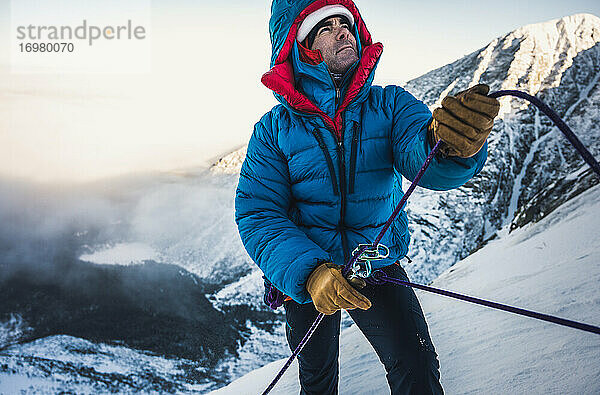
column 286, row 17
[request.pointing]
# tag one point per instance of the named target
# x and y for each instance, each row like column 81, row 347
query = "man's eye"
column 323, row 30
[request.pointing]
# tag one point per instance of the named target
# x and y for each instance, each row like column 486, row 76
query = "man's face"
column 337, row 44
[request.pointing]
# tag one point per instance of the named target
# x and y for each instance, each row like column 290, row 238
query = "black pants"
column 395, row 327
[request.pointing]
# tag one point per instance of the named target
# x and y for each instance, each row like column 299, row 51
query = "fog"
column 186, row 219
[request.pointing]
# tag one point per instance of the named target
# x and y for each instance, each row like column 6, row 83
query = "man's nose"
column 342, row 33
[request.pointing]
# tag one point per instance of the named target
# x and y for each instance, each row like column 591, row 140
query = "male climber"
column 322, row 175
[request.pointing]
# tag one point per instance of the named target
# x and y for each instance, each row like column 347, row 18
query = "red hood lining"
column 309, row 56
column 280, row 78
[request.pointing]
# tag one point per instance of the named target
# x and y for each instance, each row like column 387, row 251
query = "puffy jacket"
column 323, row 169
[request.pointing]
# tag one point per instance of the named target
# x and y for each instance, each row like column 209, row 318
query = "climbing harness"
column 359, row 266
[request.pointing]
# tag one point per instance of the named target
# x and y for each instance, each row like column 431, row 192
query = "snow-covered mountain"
column 92, row 276
column 557, row 61
column 485, row 351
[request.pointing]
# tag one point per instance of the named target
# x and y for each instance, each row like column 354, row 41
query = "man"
column 322, row 175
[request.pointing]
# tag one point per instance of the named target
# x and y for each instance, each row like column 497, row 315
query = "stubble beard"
column 339, row 62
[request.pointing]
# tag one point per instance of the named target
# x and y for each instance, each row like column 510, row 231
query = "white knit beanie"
column 322, row 13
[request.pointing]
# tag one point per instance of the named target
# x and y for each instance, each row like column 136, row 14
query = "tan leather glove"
column 331, row 292
column 464, row 121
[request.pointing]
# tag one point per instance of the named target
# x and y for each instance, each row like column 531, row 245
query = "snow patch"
column 231, row 163
column 122, row 254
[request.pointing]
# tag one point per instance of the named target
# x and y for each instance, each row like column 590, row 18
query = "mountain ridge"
column 526, row 151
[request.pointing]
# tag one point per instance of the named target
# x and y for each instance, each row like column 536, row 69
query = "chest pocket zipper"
column 353, row 154
column 329, row 161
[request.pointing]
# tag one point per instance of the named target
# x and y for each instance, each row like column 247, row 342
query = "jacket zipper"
column 353, row 153
column 342, row 167
column 341, row 225
column 337, row 92
column 342, row 189
column 329, row 161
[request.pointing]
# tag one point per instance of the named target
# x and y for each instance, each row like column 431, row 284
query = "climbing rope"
column 378, row 277
column 587, row 155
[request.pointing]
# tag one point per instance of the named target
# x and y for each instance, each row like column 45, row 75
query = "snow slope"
column 487, row 351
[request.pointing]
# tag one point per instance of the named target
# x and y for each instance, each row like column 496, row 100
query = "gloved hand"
column 331, row 292
column 464, row 121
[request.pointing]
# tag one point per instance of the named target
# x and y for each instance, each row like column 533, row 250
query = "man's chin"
column 348, row 61
column 342, row 63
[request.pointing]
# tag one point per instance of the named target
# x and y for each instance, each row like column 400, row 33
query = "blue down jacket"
column 323, row 168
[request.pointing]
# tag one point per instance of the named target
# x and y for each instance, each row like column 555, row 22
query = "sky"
column 200, row 95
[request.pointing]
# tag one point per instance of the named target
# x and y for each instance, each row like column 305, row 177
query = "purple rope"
column 303, row 343
column 380, row 277
column 274, row 298
column 587, row 156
